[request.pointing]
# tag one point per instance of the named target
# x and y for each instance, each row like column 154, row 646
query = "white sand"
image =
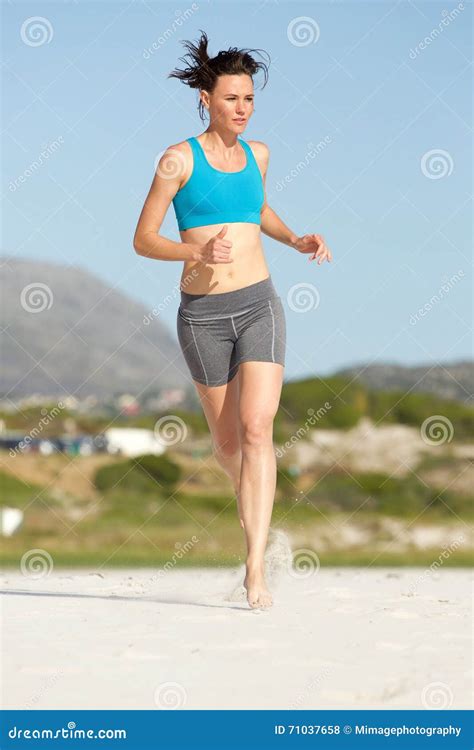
column 340, row 638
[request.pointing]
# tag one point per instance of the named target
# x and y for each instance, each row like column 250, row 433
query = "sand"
column 335, row 638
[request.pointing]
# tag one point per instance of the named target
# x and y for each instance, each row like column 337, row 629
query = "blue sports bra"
column 211, row 196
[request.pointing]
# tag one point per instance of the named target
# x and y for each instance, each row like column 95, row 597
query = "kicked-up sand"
column 144, row 639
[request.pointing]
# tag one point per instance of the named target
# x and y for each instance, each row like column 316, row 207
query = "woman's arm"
column 165, row 185
column 274, row 227
column 270, row 222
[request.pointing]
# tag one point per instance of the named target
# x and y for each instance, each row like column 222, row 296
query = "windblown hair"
column 202, row 71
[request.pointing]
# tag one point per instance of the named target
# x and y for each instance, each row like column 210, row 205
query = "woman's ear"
column 205, row 99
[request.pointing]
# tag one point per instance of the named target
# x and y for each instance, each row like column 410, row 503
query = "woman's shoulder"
column 176, row 161
column 182, row 147
column 260, row 151
column 259, row 146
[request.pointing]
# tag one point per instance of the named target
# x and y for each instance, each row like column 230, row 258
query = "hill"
column 66, row 331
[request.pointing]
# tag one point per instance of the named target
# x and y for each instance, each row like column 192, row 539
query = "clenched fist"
column 217, row 249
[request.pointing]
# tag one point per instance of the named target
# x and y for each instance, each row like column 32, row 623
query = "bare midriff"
column 249, row 265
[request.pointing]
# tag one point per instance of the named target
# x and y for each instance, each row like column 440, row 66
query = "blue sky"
column 384, row 88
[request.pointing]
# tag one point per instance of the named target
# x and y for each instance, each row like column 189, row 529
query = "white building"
column 133, row 441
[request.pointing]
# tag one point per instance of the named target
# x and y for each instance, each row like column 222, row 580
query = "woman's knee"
column 256, row 429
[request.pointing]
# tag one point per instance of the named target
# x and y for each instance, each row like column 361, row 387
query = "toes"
column 260, row 601
column 253, row 599
column 266, row 601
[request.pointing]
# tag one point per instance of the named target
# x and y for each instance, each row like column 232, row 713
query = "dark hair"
column 202, row 71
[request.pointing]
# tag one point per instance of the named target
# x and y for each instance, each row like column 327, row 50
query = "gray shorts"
column 217, row 332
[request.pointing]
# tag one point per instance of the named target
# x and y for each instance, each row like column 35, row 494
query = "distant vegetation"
column 349, row 401
column 375, row 492
column 139, row 510
column 144, row 473
column 145, row 510
column 339, row 403
column 378, row 493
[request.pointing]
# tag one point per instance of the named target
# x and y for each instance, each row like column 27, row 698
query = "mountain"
column 70, row 333
column 452, row 381
column 67, row 332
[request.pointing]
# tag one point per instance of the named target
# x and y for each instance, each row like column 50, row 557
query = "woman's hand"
column 217, row 249
column 314, row 244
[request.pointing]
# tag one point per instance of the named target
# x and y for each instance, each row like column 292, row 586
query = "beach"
column 344, row 638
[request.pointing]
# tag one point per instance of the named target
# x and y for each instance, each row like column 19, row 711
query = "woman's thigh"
column 220, row 405
column 245, row 406
column 223, row 357
column 260, row 385
column 261, row 333
column 208, row 348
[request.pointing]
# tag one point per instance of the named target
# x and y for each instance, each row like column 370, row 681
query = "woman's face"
column 231, row 103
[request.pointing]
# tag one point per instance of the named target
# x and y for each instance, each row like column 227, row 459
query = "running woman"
column 231, row 322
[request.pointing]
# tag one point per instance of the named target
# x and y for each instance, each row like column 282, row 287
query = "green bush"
column 414, row 408
column 18, row 494
column 140, row 474
column 391, row 496
column 349, row 400
column 160, row 468
column 342, row 411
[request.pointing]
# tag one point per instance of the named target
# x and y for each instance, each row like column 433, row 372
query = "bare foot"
column 258, row 595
